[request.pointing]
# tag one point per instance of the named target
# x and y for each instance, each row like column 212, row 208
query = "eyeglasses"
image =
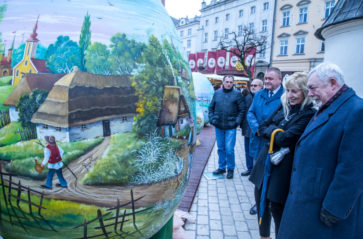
column 254, row 85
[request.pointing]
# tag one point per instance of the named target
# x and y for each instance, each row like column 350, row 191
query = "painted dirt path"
column 106, row 196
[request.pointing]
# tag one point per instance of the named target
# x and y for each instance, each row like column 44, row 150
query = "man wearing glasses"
column 264, row 103
column 225, row 113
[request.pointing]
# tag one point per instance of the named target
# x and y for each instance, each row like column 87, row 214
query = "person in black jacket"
column 225, row 113
column 292, row 116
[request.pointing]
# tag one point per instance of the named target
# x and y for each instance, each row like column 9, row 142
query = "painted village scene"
column 102, row 92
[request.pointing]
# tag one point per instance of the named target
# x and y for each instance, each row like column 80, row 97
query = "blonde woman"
column 292, row 116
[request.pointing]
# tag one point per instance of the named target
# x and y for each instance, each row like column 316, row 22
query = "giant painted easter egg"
column 97, row 119
column 203, row 93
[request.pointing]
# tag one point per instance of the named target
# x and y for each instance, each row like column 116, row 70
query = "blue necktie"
column 270, row 94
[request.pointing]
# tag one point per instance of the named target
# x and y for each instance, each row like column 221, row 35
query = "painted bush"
column 106, row 79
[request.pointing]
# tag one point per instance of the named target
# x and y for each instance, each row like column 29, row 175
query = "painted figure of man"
column 225, row 113
column 53, row 156
column 326, row 190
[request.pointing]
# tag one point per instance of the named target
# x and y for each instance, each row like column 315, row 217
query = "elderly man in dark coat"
column 326, row 190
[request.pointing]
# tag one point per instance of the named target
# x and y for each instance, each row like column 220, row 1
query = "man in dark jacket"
column 225, row 113
column 256, row 85
column 325, row 200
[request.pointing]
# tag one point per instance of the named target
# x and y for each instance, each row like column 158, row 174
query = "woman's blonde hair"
column 298, row 80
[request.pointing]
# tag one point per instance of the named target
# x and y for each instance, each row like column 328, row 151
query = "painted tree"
column 18, row 53
column 125, row 54
column 63, row 55
column 244, row 44
column 28, row 105
column 2, row 10
column 97, row 59
column 149, row 85
column 85, row 40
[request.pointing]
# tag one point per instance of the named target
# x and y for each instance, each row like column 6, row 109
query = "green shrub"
column 5, row 91
column 5, row 80
column 9, row 134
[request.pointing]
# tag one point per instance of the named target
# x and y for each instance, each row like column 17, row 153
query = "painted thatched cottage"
column 28, row 83
column 174, row 114
column 82, row 105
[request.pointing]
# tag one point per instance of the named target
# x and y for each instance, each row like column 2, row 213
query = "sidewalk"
column 221, row 207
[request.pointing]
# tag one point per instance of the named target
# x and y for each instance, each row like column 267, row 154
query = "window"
column 226, row 33
column 227, row 16
column 252, row 27
column 286, row 18
column 30, row 71
column 188, row 52
column 28, row 50
column 265, row 6
column 206, row 37
column 215, row 36
column 264, row 26
column 283, row 47
column 303, row 15
column 58, row 129
column 26, row 62
column 262, row 51
column 206, row 23
column 45, row 126
column 240, row 13
column 329, row 5
column 300, row 45
column 322, row 46
column 189, row 43
column 216, row 20
column 189, row 32
column 124, row 119
column 239, row 30
column 253, row 10
column 83, row 126
column 17, row 72
column 181, row 33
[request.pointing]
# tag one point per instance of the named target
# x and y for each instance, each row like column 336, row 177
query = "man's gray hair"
column 259, row 81
column 326, row 71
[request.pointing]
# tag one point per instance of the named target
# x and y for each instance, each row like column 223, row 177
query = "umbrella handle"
column 270, row 150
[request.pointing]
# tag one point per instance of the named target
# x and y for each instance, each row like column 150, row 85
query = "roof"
column 5, row 62
column 29, row 82
column 83, row 98
column 40, row 65
column 344, row 10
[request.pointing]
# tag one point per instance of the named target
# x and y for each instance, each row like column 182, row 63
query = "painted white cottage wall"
column 93, row 130
column 14, row 115
column 60, row 134
column 183, row 122
column 342, row 47
column 120, row 125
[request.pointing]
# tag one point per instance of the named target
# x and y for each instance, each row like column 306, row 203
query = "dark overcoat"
column 279, row 182
column 328, row 172
column 246, row 131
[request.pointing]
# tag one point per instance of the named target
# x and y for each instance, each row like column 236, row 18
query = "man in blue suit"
column 326, row 190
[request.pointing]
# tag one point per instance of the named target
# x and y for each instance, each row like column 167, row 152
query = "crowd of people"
column 302, row 137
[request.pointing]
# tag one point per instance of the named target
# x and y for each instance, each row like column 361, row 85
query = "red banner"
column 192, row 62
column 233, row 58
column 250, row 59
column 211, row 62
column 221, row 60
column 200, row 60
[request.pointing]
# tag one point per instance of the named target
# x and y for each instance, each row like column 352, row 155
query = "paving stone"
column 202, row 219
column 215, row 224
column 216, row 234
column 202, row 230
column 243, row 235
column 229, row 230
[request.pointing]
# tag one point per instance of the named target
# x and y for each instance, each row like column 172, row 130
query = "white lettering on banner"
column 221, row 61
column 234, row 60
column 192, row 64
column 200, row 62
column 211, row 63
column 250, row 60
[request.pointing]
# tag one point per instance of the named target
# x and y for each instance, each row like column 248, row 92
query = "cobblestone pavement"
column 221, row 207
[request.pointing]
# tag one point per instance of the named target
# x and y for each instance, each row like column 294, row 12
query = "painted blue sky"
column 139, row 19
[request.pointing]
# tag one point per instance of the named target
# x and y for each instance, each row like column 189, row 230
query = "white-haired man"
column 326, row 190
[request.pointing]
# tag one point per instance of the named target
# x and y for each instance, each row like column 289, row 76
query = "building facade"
column 295, row 47
column 220, row 19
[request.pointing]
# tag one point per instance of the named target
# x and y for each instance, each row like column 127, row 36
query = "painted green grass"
column 9, row 135
column 5, row 80
column 65, row 215
column 5, row 91
column 116, row 166
column 23, row 154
